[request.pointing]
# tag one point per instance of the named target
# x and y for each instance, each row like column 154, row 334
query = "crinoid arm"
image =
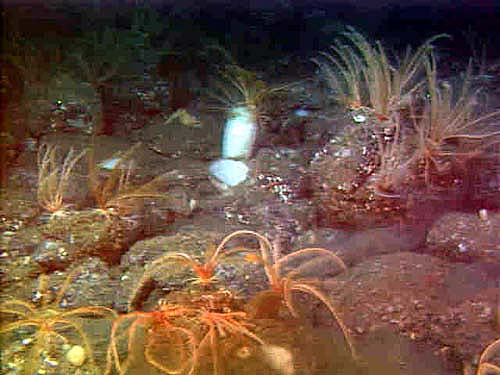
column 488, row 369
column 239, row 87
column 171, row 349
column 4, row 328
column 17, row 307
column 233, row 322
column 166, row 261
column 219, row 251
column 90, row 311
column 53, row 178
column 313, row 262
column 233, row 325
column 264, row 251
column 65, row 324
column 204, row 272
column 128, row 324
column 291, row 285
column 485, row 367
column 168, row 347
column 163, row 264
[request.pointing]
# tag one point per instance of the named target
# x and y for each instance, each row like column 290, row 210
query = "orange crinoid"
column 299, row 271
column 178, row 333
column 169, row 345
column 217, row 326
column 203, row 270
column 175, row 335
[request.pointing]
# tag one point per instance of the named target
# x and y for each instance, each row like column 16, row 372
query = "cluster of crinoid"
column 197, row 330
column 407, row 134
column 187, row 333
column 41, row 337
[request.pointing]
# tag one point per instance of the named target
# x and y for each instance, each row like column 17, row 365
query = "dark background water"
column 256, row 30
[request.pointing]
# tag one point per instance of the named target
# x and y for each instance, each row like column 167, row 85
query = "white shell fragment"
column 358, row 119
column 110, row 164
column 301, row 113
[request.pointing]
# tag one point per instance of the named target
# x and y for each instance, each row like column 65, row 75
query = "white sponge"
column 239, row 134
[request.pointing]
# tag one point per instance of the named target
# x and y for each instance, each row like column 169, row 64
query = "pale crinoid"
column 53, row 176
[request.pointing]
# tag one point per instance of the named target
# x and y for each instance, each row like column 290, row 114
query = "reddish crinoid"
column 300, row 271
column 168, row 344
column 176, row 334
column 220, row 326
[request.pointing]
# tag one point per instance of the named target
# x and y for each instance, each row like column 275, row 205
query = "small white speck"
column 359, row 118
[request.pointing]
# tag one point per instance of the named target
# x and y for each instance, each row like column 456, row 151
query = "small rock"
column 76, row 355
column 279, row 358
